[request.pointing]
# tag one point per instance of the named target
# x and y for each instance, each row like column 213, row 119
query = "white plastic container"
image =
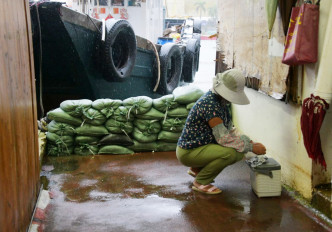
column 266, row 179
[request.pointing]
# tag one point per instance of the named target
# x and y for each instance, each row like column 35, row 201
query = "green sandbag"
column 117, row 127
column 190, row 105
column 59, row 150
column 138, row 105
column 151, row 114
column 91, row 130
column 180, row 112
column 115, row 150
column 149, row 126
column 171, row 137
column 94, row 117
column 165, row 103
column 139, row 147
column 57, row 139
column 121, row 114
column 173, row 124
column 60, row 128
column 106, row 106
column 59, row 115
column 83, row 139
column 144, row 137
column 164, row 146
column 76, row 108
column 116, row 139
column 187, row 94
column 86, row 149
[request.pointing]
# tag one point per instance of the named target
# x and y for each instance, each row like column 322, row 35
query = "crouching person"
column 209, row 142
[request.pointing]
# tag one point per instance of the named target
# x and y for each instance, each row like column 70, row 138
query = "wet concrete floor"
column 152, row 192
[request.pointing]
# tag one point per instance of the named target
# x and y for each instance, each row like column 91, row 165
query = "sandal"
column 193, row 171
column 207, row 189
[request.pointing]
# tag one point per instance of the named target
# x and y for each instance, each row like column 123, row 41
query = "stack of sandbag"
column 108, row 126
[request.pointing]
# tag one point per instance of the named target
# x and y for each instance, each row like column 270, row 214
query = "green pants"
column 212, row 158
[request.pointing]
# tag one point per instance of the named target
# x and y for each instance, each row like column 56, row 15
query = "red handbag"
column 301, row 46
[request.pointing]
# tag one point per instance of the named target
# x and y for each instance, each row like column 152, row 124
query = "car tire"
column 189, row 64
column 119, row 49
column 198, row 37
column 197, row 26
column 171, row 62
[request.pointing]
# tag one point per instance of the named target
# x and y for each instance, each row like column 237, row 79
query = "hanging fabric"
column 301, row 46
column 313, row 113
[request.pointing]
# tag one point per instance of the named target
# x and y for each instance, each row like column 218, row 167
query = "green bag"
column 190, row 105
column 187, row 94
column 116, row 139
column 76, row 108
column 173, row 124
column 138, row 105
column 94, row 117
column 118, row 127
column 59, row 150
column 139, row 147
column 149, row 126
column 164, row 146
column 151, row 114
column 180, row 112
column 115, row 150
column 144, row 137
column 82, row 139
column 122, row 114
column 60, row 128
column 165, row 103
column 59, row 115
column 91, row 130
column 171, row 137
column 57, row 139
column 86, row 149
column 106, row 106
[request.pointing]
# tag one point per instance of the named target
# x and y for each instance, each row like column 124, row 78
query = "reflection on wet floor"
column 152, row 192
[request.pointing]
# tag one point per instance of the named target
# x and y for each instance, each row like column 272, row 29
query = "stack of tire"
column 179, row 65
column 108, row 126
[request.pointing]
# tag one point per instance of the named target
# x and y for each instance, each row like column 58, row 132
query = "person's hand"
column 258, row 149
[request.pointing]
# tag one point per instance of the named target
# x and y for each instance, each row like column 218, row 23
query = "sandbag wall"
column 107, row 126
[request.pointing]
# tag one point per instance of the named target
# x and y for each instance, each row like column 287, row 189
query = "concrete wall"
column 277, row 125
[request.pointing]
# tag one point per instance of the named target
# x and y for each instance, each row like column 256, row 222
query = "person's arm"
column 229, row 138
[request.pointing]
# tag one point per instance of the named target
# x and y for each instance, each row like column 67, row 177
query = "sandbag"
column 116, row 139
column 138, row 105
column 173, row 124
column 60, row 128
column 106, row 106
column 59, row 150
column 187, row 94
column 86, row 149
column 122, row 114
column 151, row 114
column 180, row 112
column 139, row 147
column 57, row 139
column 76, row 108
column 165, row 146
column 83, row 139
column 118, row 127
column 115, row 150
column 91, row 130
column 149, row 126
column 143, row 137
column 94, row 117
column 171, row 137
column 59, row 115
column 165, row 103
column 190, row 105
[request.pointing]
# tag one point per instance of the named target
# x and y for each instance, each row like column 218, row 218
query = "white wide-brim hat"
column 230, row 85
